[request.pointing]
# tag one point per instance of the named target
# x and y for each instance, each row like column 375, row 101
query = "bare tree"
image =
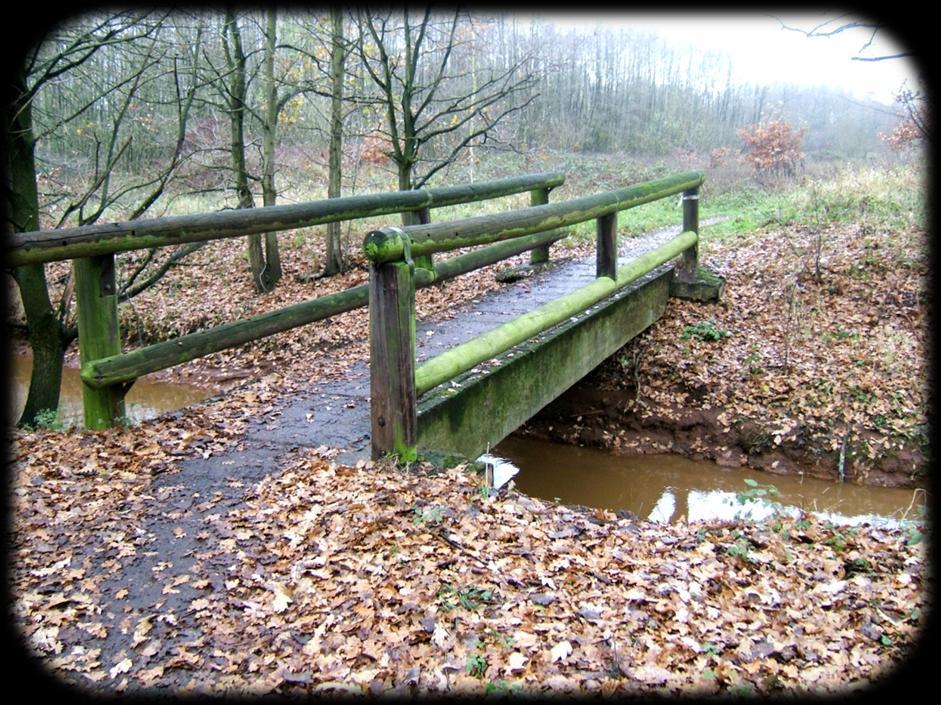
column 338, row 53
column 431, row 113
column 61, row 58
column 269, row 127
column 341, row 86
column 914, row 102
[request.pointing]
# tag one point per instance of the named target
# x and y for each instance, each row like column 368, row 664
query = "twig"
column 912, row 503
column 460, row 547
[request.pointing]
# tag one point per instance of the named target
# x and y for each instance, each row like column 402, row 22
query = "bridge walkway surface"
column 336, row 413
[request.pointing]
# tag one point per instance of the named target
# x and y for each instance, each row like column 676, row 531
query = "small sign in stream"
column 670, row 488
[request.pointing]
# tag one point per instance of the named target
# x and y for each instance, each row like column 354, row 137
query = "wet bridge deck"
column 336, row 413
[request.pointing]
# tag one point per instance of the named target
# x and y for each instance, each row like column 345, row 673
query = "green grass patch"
column 872, row 197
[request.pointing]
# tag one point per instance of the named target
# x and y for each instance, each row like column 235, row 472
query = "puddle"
column 669, row 488
column 146, row 399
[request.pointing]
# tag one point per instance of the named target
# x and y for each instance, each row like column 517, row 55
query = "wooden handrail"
column 459, row 359
column 395, row 383
column 108, row 238
column 388, row 244
column 107, row 373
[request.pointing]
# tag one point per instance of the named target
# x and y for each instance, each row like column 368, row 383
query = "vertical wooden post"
column 424, row 261
column 98, row 335
column 690, row 223
column 606, row 251
column 539, row 197
column 394, row 418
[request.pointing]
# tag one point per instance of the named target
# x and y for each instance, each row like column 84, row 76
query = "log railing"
column 107, row 373
column 396, row 382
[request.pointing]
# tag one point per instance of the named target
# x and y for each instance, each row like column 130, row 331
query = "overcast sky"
column 761, row 51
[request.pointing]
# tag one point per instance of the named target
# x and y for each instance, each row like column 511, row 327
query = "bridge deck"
column 336, row 413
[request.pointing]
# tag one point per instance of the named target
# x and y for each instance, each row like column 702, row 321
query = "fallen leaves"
column 560, row 651
column 521, row 594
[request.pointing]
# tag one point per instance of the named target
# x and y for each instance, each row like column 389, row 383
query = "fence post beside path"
column 606, row 250
column 424, row 261
column 539, row 197
column 393, row 415
column 99, row 335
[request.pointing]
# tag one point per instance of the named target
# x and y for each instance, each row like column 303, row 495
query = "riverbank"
column 815, row 361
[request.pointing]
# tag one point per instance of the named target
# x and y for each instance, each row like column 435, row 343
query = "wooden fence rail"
column 107, row 373
column 109, row 238
column 395, row 383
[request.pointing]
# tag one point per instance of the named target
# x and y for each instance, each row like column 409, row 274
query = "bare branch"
column 826, row 29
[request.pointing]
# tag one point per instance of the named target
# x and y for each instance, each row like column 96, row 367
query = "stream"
column 145, row 400
column 671, row 488
column 663, row 488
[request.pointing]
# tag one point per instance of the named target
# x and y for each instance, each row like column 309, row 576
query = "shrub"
column 913, row 126
column 773, row 148
column 705, row 331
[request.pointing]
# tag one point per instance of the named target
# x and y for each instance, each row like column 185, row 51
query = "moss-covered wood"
column 479, row 410
column 606, row 248
column 703, row 286
column 93, row 240
column 392, row 361
column 128, row 366
column 463, row 357
column 98, row 335
column 539, row 197
column 690, row 223
column 469, row 261
column 423, row 217
column 387, row 244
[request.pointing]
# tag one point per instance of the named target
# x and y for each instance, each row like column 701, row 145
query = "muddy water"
column 145, row 400
column 668, row 488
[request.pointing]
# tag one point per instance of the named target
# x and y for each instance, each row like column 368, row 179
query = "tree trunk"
column 269, row 142
column 334, row 260
column 405, row 184
column 46, row 341
column 236, row 107
column 21, row 206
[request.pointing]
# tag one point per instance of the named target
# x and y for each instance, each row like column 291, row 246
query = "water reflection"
column 667, row 488
column 665, row 507
column 146, row 399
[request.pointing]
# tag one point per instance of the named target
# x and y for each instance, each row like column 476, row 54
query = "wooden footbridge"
column 451, row 402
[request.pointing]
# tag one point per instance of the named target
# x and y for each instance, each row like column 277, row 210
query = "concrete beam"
column 705, row 286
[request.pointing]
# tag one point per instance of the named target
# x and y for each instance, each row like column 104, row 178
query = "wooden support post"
column 690, row 224
column 424, row 261
column 392, row 360
column 606, row 251
column 98, row 335
column 539, row 197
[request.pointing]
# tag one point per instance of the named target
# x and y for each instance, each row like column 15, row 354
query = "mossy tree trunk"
column 47, row 336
